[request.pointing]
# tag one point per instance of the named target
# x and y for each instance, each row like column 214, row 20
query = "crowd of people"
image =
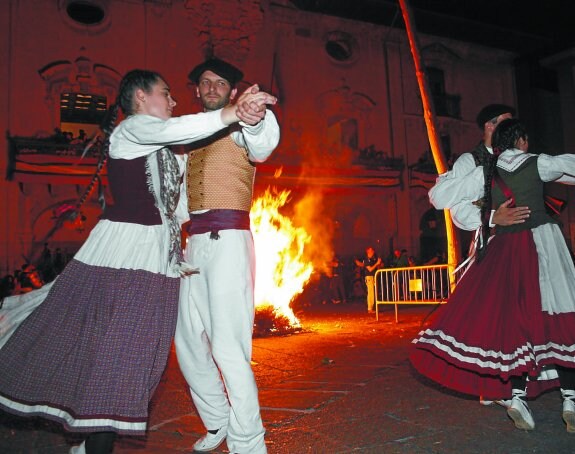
column 350, row 279
column 32, row 276
column 68, row 143
column 79, row 144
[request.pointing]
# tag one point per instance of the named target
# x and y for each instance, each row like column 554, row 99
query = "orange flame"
column 281, row 268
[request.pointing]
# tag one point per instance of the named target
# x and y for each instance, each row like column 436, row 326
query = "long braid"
column 107, row 127
column 486, row 204
column 505, row 137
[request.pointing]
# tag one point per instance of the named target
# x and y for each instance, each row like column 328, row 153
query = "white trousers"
column 370, row 284
column 214, row 337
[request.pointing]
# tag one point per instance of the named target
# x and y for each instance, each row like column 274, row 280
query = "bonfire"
column 282, row 270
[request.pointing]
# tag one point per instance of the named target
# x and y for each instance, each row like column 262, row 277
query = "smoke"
column 310, row 213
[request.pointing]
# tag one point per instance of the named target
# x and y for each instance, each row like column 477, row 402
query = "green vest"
column 528, row 190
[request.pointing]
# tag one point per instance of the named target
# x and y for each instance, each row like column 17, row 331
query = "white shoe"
column 569, row 409
column 519, row 412
column 211, row 441
column 503, row 402
column 80, row 449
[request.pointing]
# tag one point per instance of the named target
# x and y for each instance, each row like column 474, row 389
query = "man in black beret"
column 215, row 82
column 216, row 313
column 224, row 69
column 449, row 189
column 493, row 114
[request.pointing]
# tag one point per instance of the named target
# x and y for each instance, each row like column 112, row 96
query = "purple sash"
column 216, row 220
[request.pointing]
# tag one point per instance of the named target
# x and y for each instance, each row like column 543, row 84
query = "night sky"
column 541, row 27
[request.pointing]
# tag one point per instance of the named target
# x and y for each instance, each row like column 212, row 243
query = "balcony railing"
column 33, row 160
column 376, row 159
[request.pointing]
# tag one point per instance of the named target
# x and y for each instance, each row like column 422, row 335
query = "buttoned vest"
column 220, row 176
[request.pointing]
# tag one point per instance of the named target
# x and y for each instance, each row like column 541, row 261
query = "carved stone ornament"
column 79, row 76
column 227, row 28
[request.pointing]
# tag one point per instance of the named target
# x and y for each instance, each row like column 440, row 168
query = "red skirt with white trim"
column 493, row 327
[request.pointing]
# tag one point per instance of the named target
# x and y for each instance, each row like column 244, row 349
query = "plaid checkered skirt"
column 91, row 354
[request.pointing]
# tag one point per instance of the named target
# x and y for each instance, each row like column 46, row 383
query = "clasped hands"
column 251, row 105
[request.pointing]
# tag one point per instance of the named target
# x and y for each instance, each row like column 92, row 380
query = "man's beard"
column 211, row 105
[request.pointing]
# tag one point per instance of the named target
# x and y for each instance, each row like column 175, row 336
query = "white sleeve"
column 261, row 139
column 463, row 183
column 140, row 135
column 560, row 169
column 457, row 189
column 464, row 213
column 466, row 216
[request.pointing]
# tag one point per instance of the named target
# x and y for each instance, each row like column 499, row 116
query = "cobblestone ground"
column 342, row 385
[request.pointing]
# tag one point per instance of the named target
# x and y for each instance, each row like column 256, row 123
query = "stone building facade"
column 353, row 135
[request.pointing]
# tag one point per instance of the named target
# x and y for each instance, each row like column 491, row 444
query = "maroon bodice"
column 132, row 200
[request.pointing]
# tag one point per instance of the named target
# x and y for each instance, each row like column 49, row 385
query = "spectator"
column 59, row 261
column 7, row 286
column 336, row 282
column 400, row 258
column 370, row 263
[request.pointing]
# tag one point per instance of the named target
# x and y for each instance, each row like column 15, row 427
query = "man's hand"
column 251, row 113
column 251, row 105
column 509, row 216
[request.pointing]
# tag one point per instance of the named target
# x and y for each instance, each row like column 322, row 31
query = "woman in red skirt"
column 507, row 331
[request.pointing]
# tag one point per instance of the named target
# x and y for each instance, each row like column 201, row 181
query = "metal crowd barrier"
column 413, row 285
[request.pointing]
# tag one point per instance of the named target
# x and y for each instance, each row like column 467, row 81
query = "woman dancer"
column 92, row 353
column 511, row 317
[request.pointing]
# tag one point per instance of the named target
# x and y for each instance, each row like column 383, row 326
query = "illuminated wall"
column 352, row 126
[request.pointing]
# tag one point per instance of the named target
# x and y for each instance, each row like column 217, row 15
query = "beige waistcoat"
column 220, row 176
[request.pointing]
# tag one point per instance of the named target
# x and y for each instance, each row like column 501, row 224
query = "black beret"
column 492, row 111
column 223, row 69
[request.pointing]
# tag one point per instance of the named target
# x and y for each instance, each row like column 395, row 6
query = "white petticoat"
column 16, row 308
column 128, row 246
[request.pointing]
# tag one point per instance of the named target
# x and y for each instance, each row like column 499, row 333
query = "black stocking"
column 518, row 382
column 100, row 443
column 566, row 377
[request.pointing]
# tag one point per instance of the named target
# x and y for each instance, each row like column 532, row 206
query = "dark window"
column 446, row 105
column 341, row 46
column 338, row 50
column 436, row 81
column 85, row 12
column 349, row 133
column 82, row 108
column 343, row 133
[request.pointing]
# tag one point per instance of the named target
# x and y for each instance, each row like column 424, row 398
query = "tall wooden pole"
column 453, row 254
